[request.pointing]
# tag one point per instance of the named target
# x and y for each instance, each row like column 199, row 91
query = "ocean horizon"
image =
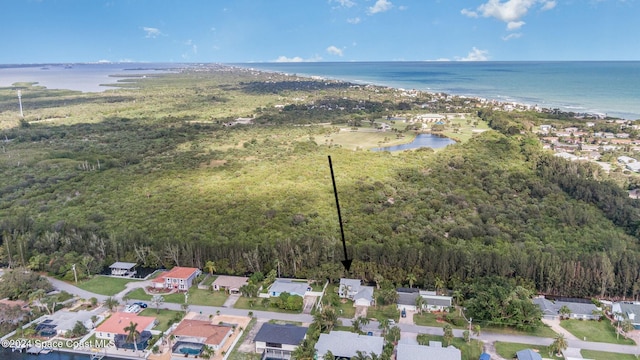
column 606, row 88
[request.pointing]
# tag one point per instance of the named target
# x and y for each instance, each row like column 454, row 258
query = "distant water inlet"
column 420, row 141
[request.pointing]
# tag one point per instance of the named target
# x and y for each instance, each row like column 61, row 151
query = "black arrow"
column 346, row 262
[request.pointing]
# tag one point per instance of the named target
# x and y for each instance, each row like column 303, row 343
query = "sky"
column 241, row 31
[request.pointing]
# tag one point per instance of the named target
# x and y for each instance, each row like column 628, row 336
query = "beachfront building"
column 179, row 278
column 124, row 269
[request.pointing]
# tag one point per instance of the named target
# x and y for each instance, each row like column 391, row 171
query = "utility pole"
column 20, row 102
column 75, row 274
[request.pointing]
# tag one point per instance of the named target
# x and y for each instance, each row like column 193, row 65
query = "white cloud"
column 152, row 32
column 469, row 13
column 509, row 11
column 344, row 3
column 514, row 25
column 380, row 6
column 511, row 36
column 548, row 5
column 334, row 50
column 355, row 20
column 297, row 59
column 475, row 55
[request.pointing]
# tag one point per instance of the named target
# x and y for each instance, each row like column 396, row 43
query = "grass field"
column 431, row 319
column 601, row 355
column 105, row 285
column 196, row 297
column 470, row 351
column 598, row 331
column 509, row 350
column 245, row 303
column 384, row 312
column 165, row 317
column 364, row 138
column 346, row 309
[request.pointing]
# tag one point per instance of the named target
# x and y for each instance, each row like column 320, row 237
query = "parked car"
column 404, row 313
column 141, row 304
column 392, row 322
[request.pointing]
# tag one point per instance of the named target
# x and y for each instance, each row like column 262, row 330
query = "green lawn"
column 509, row 350
column 469, row 351
column 598, row 331
column 382, row 312
column 540, row 331
column 601, row 355
column 105, row 285
column 346, row 309
column 431, row 319
column 196, row 297
column 165, row 317
column 246, row 303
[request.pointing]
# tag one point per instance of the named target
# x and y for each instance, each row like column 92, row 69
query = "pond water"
column 421, row 140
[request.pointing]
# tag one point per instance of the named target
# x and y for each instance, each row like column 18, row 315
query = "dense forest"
column 149, row 173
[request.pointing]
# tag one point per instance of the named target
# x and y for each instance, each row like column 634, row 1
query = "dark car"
column 141, row 304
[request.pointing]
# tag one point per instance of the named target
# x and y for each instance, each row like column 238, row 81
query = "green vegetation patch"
column 601, row 355
column 598, row 331
column 105, row 285
column 509, row 350
column 469, row 351
column 165, row 318
column 260, row 304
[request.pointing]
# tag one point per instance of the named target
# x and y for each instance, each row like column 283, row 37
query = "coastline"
column 580, row 92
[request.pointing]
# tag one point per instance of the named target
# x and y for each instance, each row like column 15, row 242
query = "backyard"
column 165, row 318
column 196, row 297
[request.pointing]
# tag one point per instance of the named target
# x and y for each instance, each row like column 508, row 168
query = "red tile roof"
column 118, row 321
column 177, row 272
column 214, row 334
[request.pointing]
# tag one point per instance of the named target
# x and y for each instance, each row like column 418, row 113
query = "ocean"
column 596, row 87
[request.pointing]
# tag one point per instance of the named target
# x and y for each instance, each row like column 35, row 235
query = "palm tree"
column 35, row 298
column 157, row 301
column 328, row 356
column 565, row 312
column 420, row 303
column 111, row 303
column 439, row 284
column 411, row 279
column 476, row 330
column 358, row 323
column 210, row 266
column 559, row 344
column 383, row 324
column 448, row 334
column 132, row 334
column 326, row 319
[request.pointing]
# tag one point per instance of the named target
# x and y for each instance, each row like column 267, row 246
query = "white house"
column 353, row 289
column 290, row 286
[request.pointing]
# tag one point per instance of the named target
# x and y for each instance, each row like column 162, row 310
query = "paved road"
column 372, row 326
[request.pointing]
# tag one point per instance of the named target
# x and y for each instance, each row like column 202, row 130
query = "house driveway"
column 408, row 319
column 555, row 326
column 361, row 311
column 231, row 300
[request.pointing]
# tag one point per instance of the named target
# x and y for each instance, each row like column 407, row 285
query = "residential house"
column 627, row 310
column 124, row 269
column 353, row 289
column 64, row 321
column 345, row 345
column 114, row 329
column 201, row 332
column 407, row 299
column 551, row 309
column 232, row 284
column 528, row 354
column 290, row 286
column 435, row 350
column 434, row 302
column 277, row 341
column 566, row 156
column 179, row 278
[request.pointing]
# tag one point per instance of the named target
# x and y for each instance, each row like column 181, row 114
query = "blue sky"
column 59, row 31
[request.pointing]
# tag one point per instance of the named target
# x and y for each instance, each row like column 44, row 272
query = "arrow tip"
column 347, row 264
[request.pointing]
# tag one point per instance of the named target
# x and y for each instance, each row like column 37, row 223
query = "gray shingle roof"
column 420, row 352
column 366, row 292
column 528, row 354
column 287, row 285
column 122, row 265
column 281, row 334
column 407, row 298
column 347, row 344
